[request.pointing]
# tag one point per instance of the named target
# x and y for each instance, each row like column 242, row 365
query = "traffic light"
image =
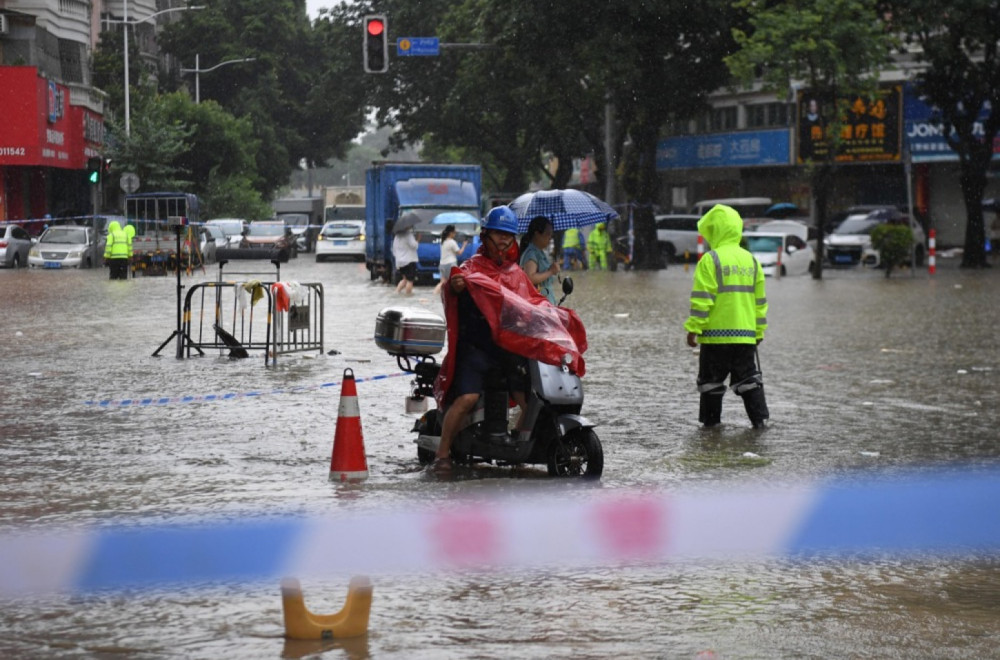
column 95, row 167
column 376, row 45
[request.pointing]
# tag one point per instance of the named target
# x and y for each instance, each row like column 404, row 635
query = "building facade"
column 53, row 115
column 752, row 144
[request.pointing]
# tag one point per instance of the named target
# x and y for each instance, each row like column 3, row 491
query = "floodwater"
column 864, row 375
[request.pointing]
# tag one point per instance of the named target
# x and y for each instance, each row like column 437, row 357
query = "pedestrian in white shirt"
column 449, row 255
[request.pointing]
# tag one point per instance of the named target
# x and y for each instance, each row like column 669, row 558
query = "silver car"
column 67, row 246
column 15, row 243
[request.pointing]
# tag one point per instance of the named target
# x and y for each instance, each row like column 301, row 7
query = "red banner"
column 40, row 127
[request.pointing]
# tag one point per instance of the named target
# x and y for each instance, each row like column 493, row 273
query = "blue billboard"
column 925, row 137
column 743, row 149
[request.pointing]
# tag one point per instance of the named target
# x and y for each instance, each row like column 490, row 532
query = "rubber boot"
column 756, row 407
column 710, row 409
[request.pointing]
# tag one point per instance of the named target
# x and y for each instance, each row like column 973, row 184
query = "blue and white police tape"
column 935, row 513
column 210, row 398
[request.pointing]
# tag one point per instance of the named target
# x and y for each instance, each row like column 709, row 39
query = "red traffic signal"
column 375, row 45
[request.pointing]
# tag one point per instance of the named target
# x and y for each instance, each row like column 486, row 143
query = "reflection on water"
column 862, row 373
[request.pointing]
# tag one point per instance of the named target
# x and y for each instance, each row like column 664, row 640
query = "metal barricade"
column 229, row 316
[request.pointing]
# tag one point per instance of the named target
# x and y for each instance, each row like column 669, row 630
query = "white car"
column 232, row 228
column 341, row 238
column 67, row 246
column 797, row 256
column 850, row 243
column 677, row 237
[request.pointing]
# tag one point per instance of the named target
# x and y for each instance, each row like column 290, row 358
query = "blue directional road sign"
column 413, row 46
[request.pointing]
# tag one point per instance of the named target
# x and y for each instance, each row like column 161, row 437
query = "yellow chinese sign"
column 870, row 129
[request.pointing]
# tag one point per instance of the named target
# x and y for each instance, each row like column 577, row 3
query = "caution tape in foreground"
column 937, row 513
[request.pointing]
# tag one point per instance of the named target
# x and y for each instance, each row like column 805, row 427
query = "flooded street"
column 862, row 374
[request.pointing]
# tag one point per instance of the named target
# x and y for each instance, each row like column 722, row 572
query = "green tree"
column 659, row 59
column 894, row 242
column 538, row 79
column 301, row 96
column 835, row 48
column 155, row 143
column 960, row 45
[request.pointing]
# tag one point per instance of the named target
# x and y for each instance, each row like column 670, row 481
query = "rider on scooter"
column 489, row 327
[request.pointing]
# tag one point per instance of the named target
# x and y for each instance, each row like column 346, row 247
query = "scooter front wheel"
column 577, row 454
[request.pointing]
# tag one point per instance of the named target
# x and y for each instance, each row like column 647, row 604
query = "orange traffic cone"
column 348, row 462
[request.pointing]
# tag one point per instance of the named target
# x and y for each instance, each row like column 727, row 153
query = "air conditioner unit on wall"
column 4, row 25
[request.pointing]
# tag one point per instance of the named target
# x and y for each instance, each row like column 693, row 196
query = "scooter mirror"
column 567, row 285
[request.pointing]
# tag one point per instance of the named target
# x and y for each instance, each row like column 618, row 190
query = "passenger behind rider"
column 477, row 353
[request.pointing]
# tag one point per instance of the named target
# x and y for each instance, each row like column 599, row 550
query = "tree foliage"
column 539, row 76
column 894, row 242
column 835, row 48
column 301, row 94
column 959, row 45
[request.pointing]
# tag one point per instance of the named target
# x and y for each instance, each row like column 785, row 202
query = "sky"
column 313, row 6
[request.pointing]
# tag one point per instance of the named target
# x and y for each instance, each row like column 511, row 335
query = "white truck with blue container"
column 440, row 194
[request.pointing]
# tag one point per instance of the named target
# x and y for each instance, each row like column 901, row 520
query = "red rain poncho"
column 523, row 321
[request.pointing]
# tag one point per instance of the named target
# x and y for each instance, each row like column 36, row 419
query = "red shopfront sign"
column 40, row 127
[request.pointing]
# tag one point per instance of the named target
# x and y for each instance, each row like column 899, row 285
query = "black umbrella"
column 408, row 221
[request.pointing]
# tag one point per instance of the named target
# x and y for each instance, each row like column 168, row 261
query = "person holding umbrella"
column 541, row 270
column 404, row 252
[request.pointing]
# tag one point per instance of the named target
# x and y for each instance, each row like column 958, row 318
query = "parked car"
column 67, row 246
column 850, row 243
column 232, row 228
column 270, row 234
column 677, row 236
column 797, row 256
column 214, row 235
column 15, row 243
column 747, row 207
column 341, row 238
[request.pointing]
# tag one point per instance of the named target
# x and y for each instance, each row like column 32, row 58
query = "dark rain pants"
column 738, row 363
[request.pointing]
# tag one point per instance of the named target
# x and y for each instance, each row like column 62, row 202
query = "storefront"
column 873, row 157
column 937, row 167
column 48, row 132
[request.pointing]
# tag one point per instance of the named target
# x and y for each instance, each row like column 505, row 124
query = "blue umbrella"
column 782, row 210
column 565, row 208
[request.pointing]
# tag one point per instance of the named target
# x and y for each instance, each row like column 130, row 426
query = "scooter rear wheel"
column 577, row 454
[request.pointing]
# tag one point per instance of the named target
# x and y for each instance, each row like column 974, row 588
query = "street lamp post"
column 125, row 23
column 197, row 71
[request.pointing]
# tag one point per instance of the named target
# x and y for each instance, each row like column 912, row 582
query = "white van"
column 747, row 207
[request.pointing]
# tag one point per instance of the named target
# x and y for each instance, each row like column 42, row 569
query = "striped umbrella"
column 565, row 208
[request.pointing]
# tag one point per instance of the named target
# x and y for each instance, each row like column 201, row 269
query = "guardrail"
column 227, row 316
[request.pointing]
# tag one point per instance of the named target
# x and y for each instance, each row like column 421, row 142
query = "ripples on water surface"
column 862, row 374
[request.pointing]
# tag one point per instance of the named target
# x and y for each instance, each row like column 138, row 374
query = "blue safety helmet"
column 501, row 218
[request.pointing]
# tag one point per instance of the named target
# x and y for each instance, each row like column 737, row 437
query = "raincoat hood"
column 113, row 226
column 721, row 226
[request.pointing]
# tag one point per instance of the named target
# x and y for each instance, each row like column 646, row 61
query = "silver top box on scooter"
column 409, row 331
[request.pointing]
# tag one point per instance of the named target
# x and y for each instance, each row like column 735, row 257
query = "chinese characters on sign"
column 870, row 129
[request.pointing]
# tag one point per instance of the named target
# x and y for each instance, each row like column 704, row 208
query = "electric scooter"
column 560, row 437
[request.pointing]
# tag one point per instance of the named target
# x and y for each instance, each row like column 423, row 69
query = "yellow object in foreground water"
column 351, row 621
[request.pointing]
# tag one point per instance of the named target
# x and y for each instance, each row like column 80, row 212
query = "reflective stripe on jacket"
column 728, row 299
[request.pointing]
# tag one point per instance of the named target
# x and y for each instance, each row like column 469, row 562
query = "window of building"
column 762, row 115
column 722, row 119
